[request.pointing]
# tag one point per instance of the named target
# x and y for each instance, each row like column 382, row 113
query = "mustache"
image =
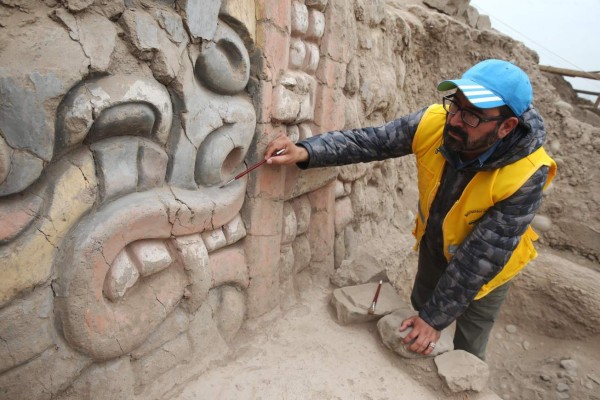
column 458, row 132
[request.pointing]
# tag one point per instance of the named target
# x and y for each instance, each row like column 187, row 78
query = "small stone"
column 563, row 395
column 526, row 345
column 569, row 364
column 545, row 378
column 562, row 387
column 499, row 336
column 511, row 329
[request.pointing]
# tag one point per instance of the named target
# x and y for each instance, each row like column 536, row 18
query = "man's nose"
column 456, row 119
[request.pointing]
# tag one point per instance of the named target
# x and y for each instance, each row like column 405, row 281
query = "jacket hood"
column 527, row 137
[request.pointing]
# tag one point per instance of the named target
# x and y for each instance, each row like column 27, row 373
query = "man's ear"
column 507, row 126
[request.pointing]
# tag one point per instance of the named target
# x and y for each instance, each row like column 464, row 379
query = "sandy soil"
column 302, row 353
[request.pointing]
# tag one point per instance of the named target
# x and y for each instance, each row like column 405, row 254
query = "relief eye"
column 218, row 158
column 224, row 65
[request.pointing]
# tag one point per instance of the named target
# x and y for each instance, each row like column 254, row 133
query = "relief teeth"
column 234, row 230
column 121, row 276
column 214, row 239
column 150, row 256
column 231, row 232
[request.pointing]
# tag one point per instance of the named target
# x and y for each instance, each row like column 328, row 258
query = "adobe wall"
column 125, row 268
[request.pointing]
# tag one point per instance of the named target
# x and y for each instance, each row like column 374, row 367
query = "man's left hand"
column 422, row 333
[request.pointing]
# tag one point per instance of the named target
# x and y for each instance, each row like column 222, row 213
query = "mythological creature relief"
column 125, row 268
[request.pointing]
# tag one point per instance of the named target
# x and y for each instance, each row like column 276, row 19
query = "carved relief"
column 110, row 191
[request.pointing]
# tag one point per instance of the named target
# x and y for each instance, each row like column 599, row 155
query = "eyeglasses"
column 468, row 117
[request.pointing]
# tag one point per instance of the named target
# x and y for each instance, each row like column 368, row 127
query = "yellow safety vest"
column 485, row 189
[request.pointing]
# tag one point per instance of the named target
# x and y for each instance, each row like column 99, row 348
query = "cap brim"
column 475, row 93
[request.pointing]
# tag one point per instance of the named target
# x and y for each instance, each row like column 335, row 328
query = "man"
column 481, row 172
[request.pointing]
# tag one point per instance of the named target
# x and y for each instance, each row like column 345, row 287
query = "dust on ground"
column 303, row 353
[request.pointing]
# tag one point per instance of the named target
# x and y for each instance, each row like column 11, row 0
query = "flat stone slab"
column 389, row 330
column 352, row 303
column 462, row 371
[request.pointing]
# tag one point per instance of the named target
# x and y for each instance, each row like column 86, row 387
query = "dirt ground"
column 303, row 353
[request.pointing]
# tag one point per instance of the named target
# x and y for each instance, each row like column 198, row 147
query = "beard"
column 461, row 143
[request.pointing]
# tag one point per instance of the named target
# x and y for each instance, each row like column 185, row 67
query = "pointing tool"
column 258, row 164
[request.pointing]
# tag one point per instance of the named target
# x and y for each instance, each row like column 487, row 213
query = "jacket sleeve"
column 484, row 253
column 393, row 139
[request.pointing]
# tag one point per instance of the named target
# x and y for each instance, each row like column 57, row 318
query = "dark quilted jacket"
column 446, row 289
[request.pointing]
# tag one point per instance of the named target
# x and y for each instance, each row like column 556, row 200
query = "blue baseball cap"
column 494, row 83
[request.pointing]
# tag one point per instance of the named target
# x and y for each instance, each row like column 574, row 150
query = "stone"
column 302, row 253
column 293, row 132
column 297, row 53
column 304, row 131
column 142, row 30
column 462, row 371
column 90, row 27
column 289, row 225
column 201, row 18
column 167, row 59
column 27, row 96
column 511, row 329
column 362, row 269
column 316, row 24
column 78, row 5
column 541, row 223
column 554, row 146
column 301, row 206
column 471, row 16
column 343, row 213
column 352, row 303
column 450, row 7
column 317, row 4
column 299, row 18
column 172, row 24
column 562, row 387
column 392, row 338
column 286, row 105
column 484, row 22
column 286, row 263
column 243, row 13
column 570, row 366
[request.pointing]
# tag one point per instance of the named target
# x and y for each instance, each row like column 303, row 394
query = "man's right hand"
column 292, row 154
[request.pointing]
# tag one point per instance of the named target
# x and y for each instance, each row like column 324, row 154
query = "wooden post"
column 569, row 72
